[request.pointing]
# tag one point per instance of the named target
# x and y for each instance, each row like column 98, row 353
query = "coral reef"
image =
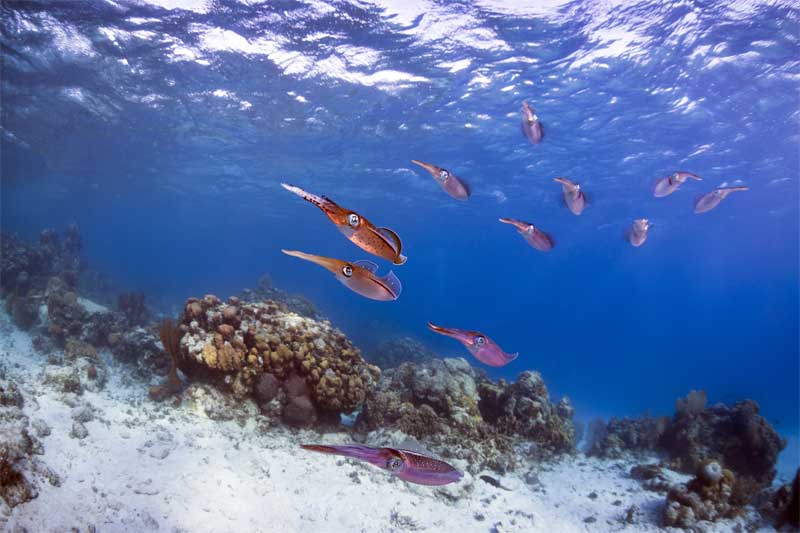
column 626, row 435
column 391, row 353
column 296, row 303
column 455, row 409
column 737, row 437
column 236, row 343
column 651, row 476
column 713, row 494
column 524, row 408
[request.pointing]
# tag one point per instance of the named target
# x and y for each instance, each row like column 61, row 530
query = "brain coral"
column 240, row 341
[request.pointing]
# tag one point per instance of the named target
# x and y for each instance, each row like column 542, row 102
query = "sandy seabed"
column 148, row 466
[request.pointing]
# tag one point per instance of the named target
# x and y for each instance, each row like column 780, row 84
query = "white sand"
column 147, row 467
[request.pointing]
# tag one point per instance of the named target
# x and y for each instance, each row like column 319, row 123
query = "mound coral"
column 236, row 343
column 454, row 408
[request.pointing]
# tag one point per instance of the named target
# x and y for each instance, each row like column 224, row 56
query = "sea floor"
column 147, row 466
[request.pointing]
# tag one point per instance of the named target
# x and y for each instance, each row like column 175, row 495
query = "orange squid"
column 359, row 276
column 382, row 242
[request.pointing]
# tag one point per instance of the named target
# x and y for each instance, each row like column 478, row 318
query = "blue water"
column 164, row 127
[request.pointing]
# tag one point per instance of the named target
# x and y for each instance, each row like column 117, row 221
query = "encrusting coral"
column 236, row 343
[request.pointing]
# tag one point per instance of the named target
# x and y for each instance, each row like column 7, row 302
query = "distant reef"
column 731, row 450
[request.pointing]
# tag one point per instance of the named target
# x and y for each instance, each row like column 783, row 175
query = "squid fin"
column 393, row 238
column 392, row 283
column 366, row 265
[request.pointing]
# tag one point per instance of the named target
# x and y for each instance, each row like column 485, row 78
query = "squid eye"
column 347, row 270
column 394, row 464
column 479, row 341
column 444, row 174
column 353, row 219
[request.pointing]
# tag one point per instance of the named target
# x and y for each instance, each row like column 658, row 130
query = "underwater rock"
column 62, row 378
column 26, row 269
column 268, row 338
column 627, row 435
column 783, row 506
column 266, row 388
column 216, row 405
column 392, row 353
column 24, row 310
column 66, row 316
column 17, row 446
column 651, row 476
column 20, row 264
column 141, row 348
column 87, row 363
column 713, row 494
column 78, row 431
column 524, row 408
column 737, row 437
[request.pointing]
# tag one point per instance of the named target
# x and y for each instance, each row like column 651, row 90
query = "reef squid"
column 531, row 127
column 637, row 233
column 668, row 185
column 382, row 242
column 710, row 200
column 359, row 276
column 408, row 465
column 573, row 195
column 450, row 183
column 533, row 235
column 479, row 345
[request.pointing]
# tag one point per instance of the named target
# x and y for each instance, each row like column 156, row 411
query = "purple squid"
column 668, row 185
column 637, row 233
column 479, row 345
column 710, row 200
column 573, row 195
column 452, row 185
column 408, row 465
column 531, row 127
column 358, row 276
column 533, row 235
